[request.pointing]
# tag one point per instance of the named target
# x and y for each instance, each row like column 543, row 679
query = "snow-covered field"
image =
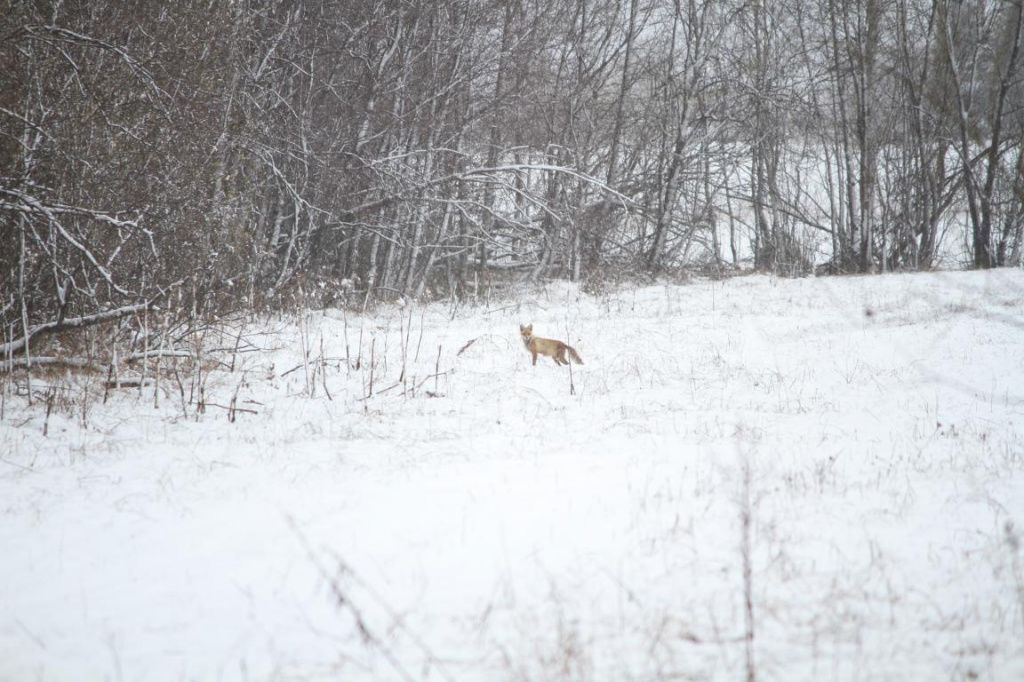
column 489, row 524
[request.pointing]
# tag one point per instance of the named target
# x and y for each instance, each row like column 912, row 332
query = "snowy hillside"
column 853, row 445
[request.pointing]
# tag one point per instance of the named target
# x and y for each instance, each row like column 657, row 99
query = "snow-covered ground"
column 490, row 524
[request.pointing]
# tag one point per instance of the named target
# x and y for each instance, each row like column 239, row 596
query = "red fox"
column 555, row 350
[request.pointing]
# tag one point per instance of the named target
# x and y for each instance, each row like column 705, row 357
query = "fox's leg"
column 534, row 357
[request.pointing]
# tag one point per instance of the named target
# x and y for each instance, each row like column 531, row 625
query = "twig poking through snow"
column 468, row 344
column 366, row 632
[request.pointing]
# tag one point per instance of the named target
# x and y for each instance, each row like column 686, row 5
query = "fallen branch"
column 230, row 408
column 128, row 383
column 71, row 323
column 159, row 353
column 57, row 326
column 86, row 363
column 435, row 375
column 49, row 361
column 301, row 365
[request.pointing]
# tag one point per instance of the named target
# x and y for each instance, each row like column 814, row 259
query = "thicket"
column 215, row 156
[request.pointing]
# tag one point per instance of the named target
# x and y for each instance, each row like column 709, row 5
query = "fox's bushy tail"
column 574, row 355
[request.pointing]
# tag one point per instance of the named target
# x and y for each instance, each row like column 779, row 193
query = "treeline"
column 251, row 153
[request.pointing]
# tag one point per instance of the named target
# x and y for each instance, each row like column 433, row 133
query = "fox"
column 556, row 350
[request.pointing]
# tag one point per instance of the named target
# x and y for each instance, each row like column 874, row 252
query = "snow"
column 502, row 527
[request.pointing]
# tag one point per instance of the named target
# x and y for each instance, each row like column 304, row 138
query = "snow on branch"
column 30, row 205
column 491, row 174
column 86, row 363
column 59, row 33
column 55, row 326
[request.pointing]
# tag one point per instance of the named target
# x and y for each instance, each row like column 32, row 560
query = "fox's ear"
column 521, row 327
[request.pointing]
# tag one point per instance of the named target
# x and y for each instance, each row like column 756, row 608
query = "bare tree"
column 270, row 153
column 981, row 47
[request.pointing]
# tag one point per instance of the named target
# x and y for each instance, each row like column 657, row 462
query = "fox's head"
column 526, row 331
